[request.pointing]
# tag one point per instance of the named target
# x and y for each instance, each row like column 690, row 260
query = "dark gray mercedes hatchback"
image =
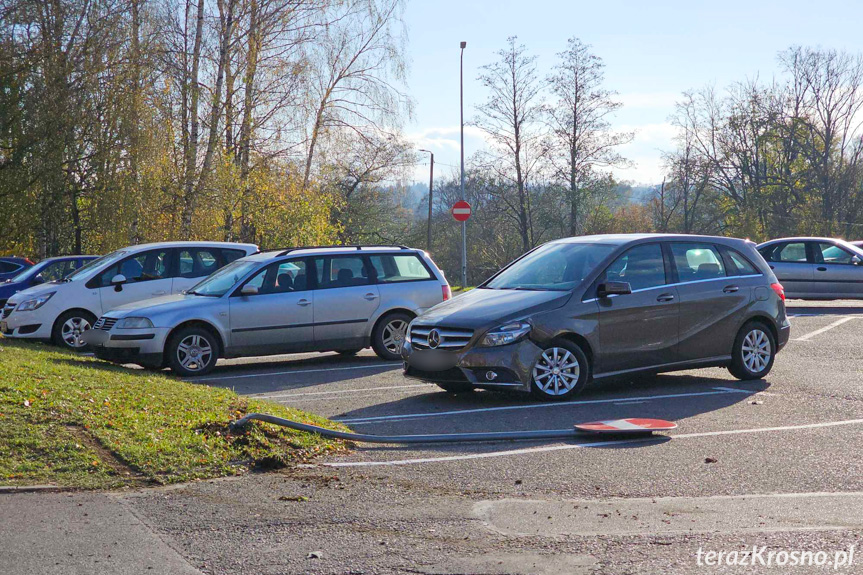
column 595, row 307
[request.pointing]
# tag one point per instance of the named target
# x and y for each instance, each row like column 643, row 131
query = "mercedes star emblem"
column 434, row 338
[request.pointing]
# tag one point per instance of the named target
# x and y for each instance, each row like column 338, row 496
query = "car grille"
column 105, row 323
column 7, row 310
column 449, row 339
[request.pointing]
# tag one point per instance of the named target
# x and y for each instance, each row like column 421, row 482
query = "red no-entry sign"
column 461, row 211
column 630, row 425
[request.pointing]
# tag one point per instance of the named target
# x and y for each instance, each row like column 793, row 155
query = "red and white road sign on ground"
column 631, row 425
column 461, row 211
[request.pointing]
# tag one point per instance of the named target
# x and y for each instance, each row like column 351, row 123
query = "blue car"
column 11, row 266
column 48, row 270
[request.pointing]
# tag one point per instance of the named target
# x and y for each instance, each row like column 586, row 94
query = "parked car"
column 297, row 300
column 48, row 270
column 816, row 268
column 11, row 266
column 61, row 311
column 597, row 307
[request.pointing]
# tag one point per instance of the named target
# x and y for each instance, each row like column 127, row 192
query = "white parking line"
column 717, row 391
column 271, row 373
column 335, row 392
column 529, row 450
column 812, row 334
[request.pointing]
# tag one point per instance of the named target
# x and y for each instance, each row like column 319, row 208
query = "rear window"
column 341, row 271
column 229, row 255
column 8, row 267
column 391, row 268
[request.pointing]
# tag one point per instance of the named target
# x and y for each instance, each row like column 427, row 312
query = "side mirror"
column 613, row 288
column 856, row 260
column 38, row 280
column 249, row 290
column 117, row 281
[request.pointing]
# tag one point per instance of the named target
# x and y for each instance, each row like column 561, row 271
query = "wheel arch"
column 762, row 318
column 72, row 309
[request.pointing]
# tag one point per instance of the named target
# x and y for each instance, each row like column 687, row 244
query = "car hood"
column 160, row 305
column 484, row 308
column 8, row 289
column 34, row 291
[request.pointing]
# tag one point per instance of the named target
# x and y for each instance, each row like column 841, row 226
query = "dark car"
column 48, row 270
column 12, row 265
column 597, row 307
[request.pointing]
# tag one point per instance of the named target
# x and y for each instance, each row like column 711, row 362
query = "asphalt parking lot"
column 773, row 463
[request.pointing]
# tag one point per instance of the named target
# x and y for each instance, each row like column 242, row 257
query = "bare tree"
column 510, row 118
column 582, row 138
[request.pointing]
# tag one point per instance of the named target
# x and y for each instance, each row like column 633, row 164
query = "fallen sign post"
column 461, row 211
column 645, row 427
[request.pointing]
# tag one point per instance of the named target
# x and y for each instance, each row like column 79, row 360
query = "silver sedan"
column 816, row 268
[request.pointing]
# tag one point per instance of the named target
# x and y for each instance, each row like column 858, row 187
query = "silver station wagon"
column 816, row 268
column 340, row 299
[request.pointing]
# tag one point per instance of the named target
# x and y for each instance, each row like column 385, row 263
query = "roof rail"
column 286, row 251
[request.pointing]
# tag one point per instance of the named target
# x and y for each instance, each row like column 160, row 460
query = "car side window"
column 696, row 261
column 794, row 252
column 197, row 263
column 281, row 277
column 341, row 271
column 832, row 254
column 53, row 272
column 391, row 268
column 7, row 267
column 743, row 265
column 642, row 267
column 146, row 266
column 229, row 255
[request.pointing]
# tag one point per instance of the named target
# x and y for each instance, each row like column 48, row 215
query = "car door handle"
column 370, row 296
column 730, row 289
column 822, row 269
column 303, row 302
column 162, row 292
column 773, row 267
column 665, row 297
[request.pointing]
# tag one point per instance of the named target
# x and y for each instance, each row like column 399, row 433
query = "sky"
column 653, row 51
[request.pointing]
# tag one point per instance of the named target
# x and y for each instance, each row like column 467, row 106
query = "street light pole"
column 431, row 191
column 463, row 224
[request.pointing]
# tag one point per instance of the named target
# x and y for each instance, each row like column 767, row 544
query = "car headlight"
column 35, row 303
column 134, row 323
column 506, row 334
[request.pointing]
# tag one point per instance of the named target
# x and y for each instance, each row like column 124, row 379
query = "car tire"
column 456, row 387
column 754, row 351
column 192, row 351
column 389, row 334
column 69, row 327
column 560, row 372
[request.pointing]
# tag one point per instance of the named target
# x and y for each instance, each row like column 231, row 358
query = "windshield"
column 219, row 282
column 89, row 266
column 558, row 266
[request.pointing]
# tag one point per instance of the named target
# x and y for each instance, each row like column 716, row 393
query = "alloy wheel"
column 194, row 352
column 756, row 350
column 556, row 371
column 394, row 334
column 72, row 330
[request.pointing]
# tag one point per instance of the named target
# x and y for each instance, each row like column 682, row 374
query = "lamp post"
column 463, row 224
column 431, row 191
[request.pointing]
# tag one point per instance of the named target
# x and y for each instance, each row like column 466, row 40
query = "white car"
column 61, row 311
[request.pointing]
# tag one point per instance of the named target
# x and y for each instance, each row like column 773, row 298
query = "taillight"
column 780, row 291
column 447, row 292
